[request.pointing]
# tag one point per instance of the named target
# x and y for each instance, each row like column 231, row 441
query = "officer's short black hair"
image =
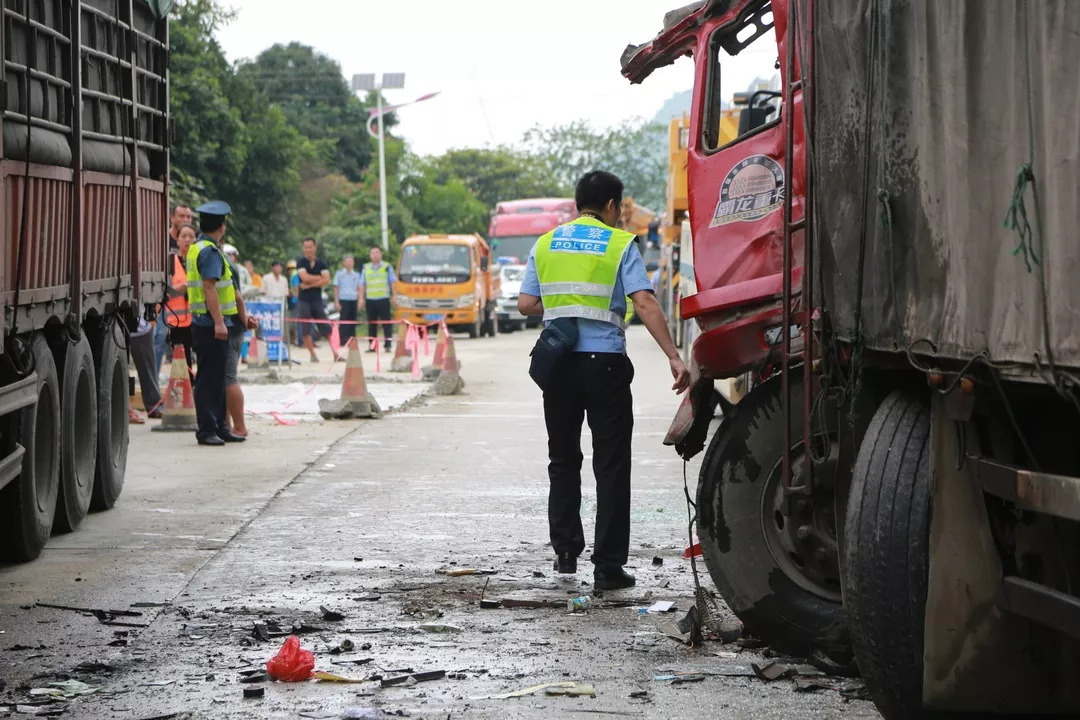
column 210, row 223
column 276, row 263
column 596, row 188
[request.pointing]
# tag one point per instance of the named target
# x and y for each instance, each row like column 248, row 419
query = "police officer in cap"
column 215, row 307
column 579, row 277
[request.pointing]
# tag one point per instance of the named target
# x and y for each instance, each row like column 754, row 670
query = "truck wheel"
column 112, row 415
column 886, row 539
column 475, row 329
column 778, row 571
column 29, row 502
column 78, row 448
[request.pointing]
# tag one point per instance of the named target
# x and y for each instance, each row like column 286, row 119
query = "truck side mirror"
column 483, row 264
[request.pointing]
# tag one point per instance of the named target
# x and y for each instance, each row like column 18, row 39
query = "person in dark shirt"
column 314, row 275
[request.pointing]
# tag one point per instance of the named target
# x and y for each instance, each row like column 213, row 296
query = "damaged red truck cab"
column 737, row 189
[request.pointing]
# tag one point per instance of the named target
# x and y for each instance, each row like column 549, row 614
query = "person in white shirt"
column 275, row 284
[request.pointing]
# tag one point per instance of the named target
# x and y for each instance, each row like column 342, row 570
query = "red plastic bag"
column 292, row 663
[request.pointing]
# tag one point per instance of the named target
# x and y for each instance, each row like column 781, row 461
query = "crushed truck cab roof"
column 679, row 37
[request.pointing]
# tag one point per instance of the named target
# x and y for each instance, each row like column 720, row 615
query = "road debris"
column 323, row 676
column 358, row 661
column 292, row 663
column 657, row 561
column 253, row 693
column 331, row 615
column 91, row 611
column 461, row 572
column 64, row 689
column 256, row 677
column 358, row 713
column 578, row 604
column 687, row 630
column 585, row 690
column 344, row 646
column 490, row 604
column 661, row 606
column 571, row 690
column 729, row 631
column 439, row 628
column 772, row 670
column 414, row 677
column 680, row 676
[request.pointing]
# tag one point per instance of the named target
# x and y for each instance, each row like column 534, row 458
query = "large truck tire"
column 778, row 572
column 885, row 554
column 78, row 430
column 111, row 359
column 28, row 503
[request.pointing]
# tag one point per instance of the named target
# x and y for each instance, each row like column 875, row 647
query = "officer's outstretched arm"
column 648, row 309
column 530, row 305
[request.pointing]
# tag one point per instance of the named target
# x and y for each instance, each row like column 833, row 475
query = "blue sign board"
column 271, row 317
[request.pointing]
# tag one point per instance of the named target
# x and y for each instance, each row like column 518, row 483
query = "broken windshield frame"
column 731, row 40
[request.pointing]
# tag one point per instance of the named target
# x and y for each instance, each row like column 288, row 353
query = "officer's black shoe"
column 612, row 579
column 230, row 438
column 565, row 563
column 213, row 441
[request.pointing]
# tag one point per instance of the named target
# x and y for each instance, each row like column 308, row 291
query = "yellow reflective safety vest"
column 376, row 281
column 577, row 265
column 225, row 291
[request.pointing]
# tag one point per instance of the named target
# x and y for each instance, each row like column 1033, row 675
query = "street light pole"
column 382, row 173
column 367, row 82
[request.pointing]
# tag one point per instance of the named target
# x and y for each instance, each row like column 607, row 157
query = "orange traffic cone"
column 257, row 358
column 449, row 381
column 179, row 409
column 402, row 361
column 355, row 400
column 432, row 371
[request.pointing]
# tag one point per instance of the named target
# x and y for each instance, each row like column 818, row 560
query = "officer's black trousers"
column 596, row 385
column 209, row 382
column 379, row 312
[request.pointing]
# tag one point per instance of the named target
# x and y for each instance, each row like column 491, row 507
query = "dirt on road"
column 216, row 555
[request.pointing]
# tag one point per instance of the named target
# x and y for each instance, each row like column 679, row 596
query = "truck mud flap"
column 13, row 397
column 690, row 427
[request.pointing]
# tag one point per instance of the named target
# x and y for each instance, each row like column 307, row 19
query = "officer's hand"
column 337, row 306
column 681, row 375
column 220, row 331
column 252, row 322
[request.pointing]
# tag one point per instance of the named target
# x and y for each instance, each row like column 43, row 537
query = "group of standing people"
column 203, row 312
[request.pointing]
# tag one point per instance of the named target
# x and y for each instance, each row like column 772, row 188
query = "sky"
column 500, row 66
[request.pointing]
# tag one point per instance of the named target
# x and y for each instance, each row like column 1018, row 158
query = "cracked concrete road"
column 363, row 517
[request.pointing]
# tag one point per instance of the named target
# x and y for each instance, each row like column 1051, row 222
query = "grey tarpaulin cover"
column 948, row 131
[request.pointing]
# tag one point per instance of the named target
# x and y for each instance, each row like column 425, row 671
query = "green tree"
column 355, row 224
column 310, row 90
column 439, row 201
column 498, row 174
column 634, row 150
column 209, row 130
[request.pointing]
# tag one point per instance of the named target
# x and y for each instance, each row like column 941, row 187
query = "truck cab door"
column 736, row 188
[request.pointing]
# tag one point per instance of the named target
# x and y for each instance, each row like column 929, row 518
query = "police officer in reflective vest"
column 215, row 306
column 376, row 282
column 582, row 273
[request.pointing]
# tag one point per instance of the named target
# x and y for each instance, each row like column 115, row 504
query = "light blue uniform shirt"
column 597, row 335
column 390, row 277
column 348, row 283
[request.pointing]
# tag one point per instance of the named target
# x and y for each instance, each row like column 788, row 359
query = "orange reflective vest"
column 177, row 314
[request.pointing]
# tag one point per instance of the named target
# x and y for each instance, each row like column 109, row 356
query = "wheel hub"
column 801, row 536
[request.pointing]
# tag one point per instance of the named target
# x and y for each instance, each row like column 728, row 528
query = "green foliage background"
column 282, row 139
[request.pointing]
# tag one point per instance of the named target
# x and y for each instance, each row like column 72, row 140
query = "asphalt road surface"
column 219, row 549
